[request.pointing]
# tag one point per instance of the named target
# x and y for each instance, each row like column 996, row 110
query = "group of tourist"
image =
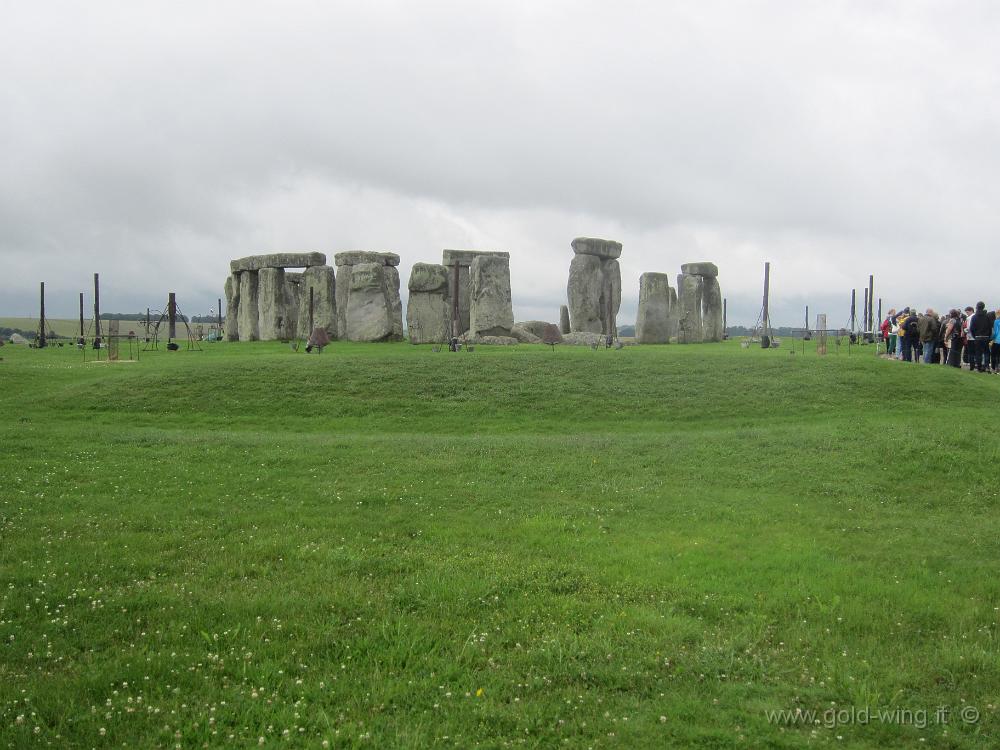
column 970, row 336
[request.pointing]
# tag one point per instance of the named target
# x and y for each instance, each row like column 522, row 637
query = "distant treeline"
column 6, row 333
column 154, row 317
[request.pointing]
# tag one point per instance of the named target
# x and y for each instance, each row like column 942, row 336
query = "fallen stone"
column 277, row 260
column 490, row 340
column 584, row 338
column 534, row 327
column 523, row 335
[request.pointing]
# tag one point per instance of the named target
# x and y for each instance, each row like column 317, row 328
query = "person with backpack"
column 953, row 338
column 911, row 336
column 995, row 344
column 928, row 329
column 980, row 333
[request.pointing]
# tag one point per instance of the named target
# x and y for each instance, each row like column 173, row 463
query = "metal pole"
column 724, row 326
column 81, row 317
column 171, row 315
column 220, row 313
column 854, row 293
column 864, row 314
column 767, row 290
column 97, row 308
column 40, row 342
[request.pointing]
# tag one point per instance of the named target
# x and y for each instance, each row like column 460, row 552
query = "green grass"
column 384, row 546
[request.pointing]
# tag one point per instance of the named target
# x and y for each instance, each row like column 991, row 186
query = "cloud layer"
column 155, row 141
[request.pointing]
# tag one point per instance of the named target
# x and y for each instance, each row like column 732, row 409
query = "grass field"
column 383, row 546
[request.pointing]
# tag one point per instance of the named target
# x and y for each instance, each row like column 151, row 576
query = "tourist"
column 980, row 333
column 908, row 333
column 928, row 329
column 889, row 332
column 953, row 338
column 995, row 344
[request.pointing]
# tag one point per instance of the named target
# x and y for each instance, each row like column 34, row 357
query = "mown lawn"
column 383, row 546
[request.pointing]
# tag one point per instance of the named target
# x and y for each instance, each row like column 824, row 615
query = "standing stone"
column 711, row 306
column 323, row 282
column 293, row 299
column 563, row 319
column 594, row 290
column 370, row 313
column 388, row 282
column 652, row 326
column 491, row 311
column 672, row 322
column 271, row 304
column 429, row 307
column 233, row 307
column 249, row 318
column 690, row 329
column 463, row 259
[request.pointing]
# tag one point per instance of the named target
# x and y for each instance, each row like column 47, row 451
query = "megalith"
column 232, row 327
column 249, row 316
column 272, row 321
column 595, row 287
column 491, row 311
column 368, row 306
column 322, row 281
column 652, row 325
column 429, row 305
column 563, row 319
column 690, row 328
column 711, row 309
column 462, row 259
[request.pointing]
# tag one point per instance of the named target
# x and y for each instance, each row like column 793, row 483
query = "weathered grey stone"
column 584, row 338
column 594, row 292
column 355, row 257
column 465, row 257
column 293, row 299
column 523, row 335
column 690, row 329
column 277, row 260
column 249, row 317
column 608, row 249
column 534, row 327
column 711, row 309
column 342, row 294
column 674, row 313
column 427, row 318
column 391, row 275
column 370, row 313
column 232, row 327
column 700, row 269
column 295, row 277
column 563, row 319
column 428, row 277
column 491, row 340
column 491, row 312
column 652, row 325
column 271, row 304
column 322, row 280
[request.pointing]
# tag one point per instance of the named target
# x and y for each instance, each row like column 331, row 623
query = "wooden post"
column 871, row 293
column 310, row 312
column 219, row 318
column 765, row 335
column 81, row 317
column 854, row 294
column 724, row 325
column 864, row 314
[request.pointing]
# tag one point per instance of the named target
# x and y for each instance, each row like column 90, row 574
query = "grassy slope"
column 635, row 548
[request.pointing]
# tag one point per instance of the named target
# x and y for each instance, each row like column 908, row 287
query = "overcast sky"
column 153, row 142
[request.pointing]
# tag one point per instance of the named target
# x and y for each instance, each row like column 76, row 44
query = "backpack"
column 911, row 326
